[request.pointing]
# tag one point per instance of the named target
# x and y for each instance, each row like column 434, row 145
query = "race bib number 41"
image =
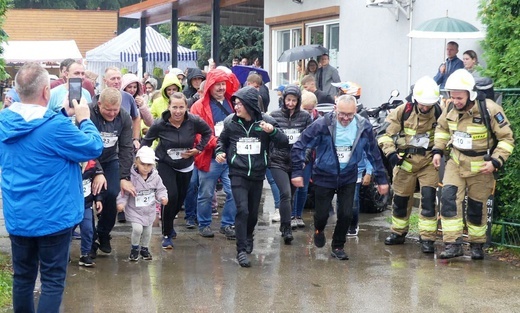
column 248, row 146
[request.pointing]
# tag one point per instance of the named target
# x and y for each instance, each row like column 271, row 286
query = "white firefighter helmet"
column 462, row 80
column 426, row 91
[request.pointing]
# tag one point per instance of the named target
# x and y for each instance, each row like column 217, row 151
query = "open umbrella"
column 302, row 52
column 446, row 27
column 242, row 71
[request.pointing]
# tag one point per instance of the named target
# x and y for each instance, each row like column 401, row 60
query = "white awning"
column 40, row 51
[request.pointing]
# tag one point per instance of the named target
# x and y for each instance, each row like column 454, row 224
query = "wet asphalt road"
column 202, row 275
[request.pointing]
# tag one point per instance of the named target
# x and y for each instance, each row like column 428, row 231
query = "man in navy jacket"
column 339, row 139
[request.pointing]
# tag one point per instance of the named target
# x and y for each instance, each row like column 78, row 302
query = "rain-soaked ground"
column 202, row 275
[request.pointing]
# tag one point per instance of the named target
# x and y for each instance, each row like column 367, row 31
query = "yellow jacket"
column 466, row 134
column 413, row 134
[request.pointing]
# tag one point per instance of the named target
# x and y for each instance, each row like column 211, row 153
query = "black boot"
column 427, row 246
column 286, row 230
column 451, row 250
column 395, row 239
column 476, row 251
column 249, row 245
column 104, row 244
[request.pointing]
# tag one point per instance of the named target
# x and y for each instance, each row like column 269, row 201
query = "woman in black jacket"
column 292, row 120
column 177, row 131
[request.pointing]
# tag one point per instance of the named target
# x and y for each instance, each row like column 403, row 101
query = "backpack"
column 409, row 108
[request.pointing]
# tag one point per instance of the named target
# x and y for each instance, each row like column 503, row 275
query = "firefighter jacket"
column 412, row 138
column 466, row 134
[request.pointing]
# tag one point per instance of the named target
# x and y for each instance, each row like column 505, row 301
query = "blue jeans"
column 190, row 203
column 51, row 254
column 87, row 231
column 274, row 188
column 207, row 184
column 300, row 196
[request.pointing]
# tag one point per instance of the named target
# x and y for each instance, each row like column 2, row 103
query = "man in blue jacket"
column 339, row 138
column 40, row 152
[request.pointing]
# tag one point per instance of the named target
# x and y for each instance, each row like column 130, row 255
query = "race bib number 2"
column 144, row 198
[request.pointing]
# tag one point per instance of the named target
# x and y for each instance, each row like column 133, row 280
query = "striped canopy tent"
column 158, row 49
column 124, row 51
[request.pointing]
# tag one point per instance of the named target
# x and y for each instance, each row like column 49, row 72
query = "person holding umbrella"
column 452, row 64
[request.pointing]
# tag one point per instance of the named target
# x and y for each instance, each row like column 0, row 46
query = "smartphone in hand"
column 75, row 85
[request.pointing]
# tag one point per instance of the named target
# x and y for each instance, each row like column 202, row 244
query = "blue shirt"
column 58, row 96
column 216, row 111
column 345, row 137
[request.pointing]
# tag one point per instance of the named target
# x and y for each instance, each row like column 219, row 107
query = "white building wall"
column 374, row 47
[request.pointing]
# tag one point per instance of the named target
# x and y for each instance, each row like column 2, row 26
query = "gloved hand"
column 394, row 159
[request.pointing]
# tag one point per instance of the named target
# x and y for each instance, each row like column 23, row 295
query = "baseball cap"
column 146, row 155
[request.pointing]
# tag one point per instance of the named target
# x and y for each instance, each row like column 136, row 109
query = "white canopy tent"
column 40, row 51
column 124, row 50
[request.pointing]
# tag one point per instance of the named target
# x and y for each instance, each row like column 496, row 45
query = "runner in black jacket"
column 244, row 144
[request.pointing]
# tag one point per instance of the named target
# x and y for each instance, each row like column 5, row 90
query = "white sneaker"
column 276, row 215
column 294, row 223
column 300, row 222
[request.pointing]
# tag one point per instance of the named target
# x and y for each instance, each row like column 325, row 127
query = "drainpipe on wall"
column 410, row 48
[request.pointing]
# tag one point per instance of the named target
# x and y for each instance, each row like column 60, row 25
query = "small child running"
column 90, row 170
column 140, row 210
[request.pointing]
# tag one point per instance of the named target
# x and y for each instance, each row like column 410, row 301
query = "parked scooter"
column 370, row 200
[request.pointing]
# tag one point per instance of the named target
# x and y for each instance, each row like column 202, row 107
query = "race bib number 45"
column 248, row 146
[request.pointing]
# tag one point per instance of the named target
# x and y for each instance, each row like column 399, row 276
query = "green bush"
column 6, row 280
column 508, row 184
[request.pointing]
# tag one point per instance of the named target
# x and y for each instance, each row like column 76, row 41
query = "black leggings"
column 283, row 181
column 177, row 185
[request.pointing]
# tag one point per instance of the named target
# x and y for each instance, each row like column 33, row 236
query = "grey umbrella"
column 302, row 52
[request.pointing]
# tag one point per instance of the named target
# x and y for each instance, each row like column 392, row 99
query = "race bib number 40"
column 293, row 134
column 462, row 140
column 344, row 154
column 145, row 198
column 248, row 146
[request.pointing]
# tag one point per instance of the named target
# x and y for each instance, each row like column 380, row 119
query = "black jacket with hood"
column 171, row 137
column 189, row 92
column 280, row 157
column 251, row 166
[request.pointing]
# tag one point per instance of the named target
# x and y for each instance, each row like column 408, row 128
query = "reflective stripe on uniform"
column 442, row 135
column 452, row 225
column 407, row 166
column 398, row 223
column 477, row 231
column 475, row 166
column 410, row 131
column 476, row 129
column 454, row 158
column 452, row 126
column 479, row 136
column 427, row 225
column 506, row 146
column 384, row 138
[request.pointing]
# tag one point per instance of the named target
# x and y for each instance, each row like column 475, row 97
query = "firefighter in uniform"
column 407, row 143
column 479, row 147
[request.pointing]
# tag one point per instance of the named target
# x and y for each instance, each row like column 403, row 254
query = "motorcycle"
column 370, row 201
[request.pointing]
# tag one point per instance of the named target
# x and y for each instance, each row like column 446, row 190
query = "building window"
column 285, row 72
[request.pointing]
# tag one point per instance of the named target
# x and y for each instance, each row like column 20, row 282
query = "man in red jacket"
column 214, row 107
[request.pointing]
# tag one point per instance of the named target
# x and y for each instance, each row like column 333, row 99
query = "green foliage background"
column 4, row 6
column 235, row 41
column 502, row 54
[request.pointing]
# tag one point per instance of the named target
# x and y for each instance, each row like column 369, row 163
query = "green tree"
column 502, row 54
column 502, row 43
column 4, row 6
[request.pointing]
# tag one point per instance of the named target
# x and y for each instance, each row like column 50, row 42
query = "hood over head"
column 20, row 119
column 293, row 90
column 170, row 79
column 129, row 78
column 151, row 81
column 249, row 97
column 194, row 73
